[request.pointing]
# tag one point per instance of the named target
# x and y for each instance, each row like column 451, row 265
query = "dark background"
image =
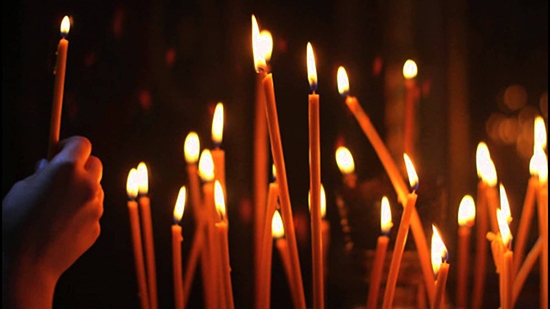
column 141, row 75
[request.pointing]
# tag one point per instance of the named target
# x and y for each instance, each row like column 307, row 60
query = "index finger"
column 74, row 149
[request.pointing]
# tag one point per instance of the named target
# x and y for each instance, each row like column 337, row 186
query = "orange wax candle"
column 525, row 269
column 542, row 202
column 410, row 71
column 466, row 218
column 176, row 248
column 197, row 250
column 440, row 268
column 223, row 248
column 58, row 90
column 505, row 258
column 286, row 208
column 132, row 190
column 263, row 300
column 524, row 226
column 191, row 151
column 218, row 155
column 278, row 232
column 346, row 164
column 440, row 286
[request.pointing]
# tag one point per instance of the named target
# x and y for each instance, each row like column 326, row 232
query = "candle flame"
column 206, row 166
column 385, row 216
column 142, row 178
column 538, row 166
column 266, row 45
column 191, row 148
column 343, row 81
column 540, row 133
column 217, row 124
column 344, row 160
column 219, row 199
column 311, row 69
column 180, row 204
column 467, row 211
column 439, row 250
column 413, row 177
column 259, row 60
column 505, row 233
column 504, row 204
column 323, row 198
column 274, row 172
column 65, row 26
column 485, row 167
column 410, row 69
column 132, row 184
column 277, row 226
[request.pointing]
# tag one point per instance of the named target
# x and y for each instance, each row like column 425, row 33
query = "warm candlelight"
column 506, row 262
column 218, row 155
column 466, row 219
column 58, row 90
column 542, row 203
column 440, row 267
column 346, row 165
column 504, row 204
column 191, row 151
column 223, row 252
column 410, row 70
column 176, row 248
column 488, row 174
column 132, row 191
column 380, row 255
column 147, row 224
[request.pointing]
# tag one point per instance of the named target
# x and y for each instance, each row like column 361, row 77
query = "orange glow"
column 132, row 184
column 180, row 204
column 219, row 199
column 485, row 167
column 277, row 227
column 540, row 133
column 413, row 177
column 65, row 26
column 206, row 166
column 505, row 205
column 323, row 201
column 385, row 216
column 538, row 166
column 274, row 171
column 467, row 211
column 439, row 250
column 344, row 160
column 266, row 45
column 142, row 178
column 410, row 69
column 343, row 81
column 311, row 68
column 191, row 148
column 217, row 124
column 259, row 60
column 505, row 233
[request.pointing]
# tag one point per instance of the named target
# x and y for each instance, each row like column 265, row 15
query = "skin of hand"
column 49, row 220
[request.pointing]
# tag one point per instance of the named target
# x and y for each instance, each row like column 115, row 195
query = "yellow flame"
column 323, row 201
column 505, row 233
column 277, row 227
column 274, row 171
column 191, row 148
column 132, row 184
column 206, row 166
column 217, row 124
column 344, row 160
column 180, row 204
column 65, row 25
column 413, row 177
column 311, row 68
column 540, row 133
column 439, row 250
column 538, row 166
column 385, row 216
column 485, row 167
column 266, row 45
column 410, row 69
column 504, row 204
column 467, row 211
column 343, row 81
column 142, row 178
column 219, row 198
column 259, row 61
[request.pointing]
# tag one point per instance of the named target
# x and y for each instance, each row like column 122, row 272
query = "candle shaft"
column 138, row 254
column 211, row 297
column 525, row 269
column 57, row 105
column 508, row 267
column 325, row 231
column 463, row 271
column 218, row 156
column 197, row 249
column 482, row 227
column 282, row 247
column 195, row 195
column 409, row 122
column 286, row 209
column 147, row 223
column 225, row 264
column 492, row 205
column 377, row 270
column 440, row 286
column 542, row 203
column 527, row 213
column 263, row 299
column 176, row 266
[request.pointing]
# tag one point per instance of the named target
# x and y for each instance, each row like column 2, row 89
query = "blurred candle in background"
column 176, row 248
column 466, row 219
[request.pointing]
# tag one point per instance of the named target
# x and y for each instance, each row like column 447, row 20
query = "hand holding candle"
column 440, row 268
column 466, row 218
column 176, row 248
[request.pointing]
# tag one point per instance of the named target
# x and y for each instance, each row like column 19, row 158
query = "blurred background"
column 142, row 74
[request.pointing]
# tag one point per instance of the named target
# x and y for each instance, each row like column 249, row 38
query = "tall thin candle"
column 222, row 231
column 440, row 268
column 346, row 164
column 218, row 155
column 410, row 70
column 264, row 299
column 176, row 248
column 466, row 218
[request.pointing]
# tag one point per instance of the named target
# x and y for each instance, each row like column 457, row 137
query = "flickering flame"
column 505, row 205
column 132, row 184
column 344, row 160
column 385, row 216
column 277, row 227
column 323, row 201
column 410, row 69
column 180, row 204
column 467, row 211
column 413, row 177
column 485, row 167
column 274, row 171
column 343, row 81
column 311, row 69
column 142, row 178
column 257, row 49
column 540, row 133
column 504, row 228
column 217, row 124
column 65, row 26
column 266, row 45
column 538, row 166
column 191, row 148
column 219, row 199
column 206, row 166
column 439, row 251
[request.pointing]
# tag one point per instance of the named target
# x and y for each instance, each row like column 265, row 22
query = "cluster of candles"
column 274, row 219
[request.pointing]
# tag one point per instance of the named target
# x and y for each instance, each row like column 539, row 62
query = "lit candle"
column 147, row 224
column 466, row 218
column 223, row 253
column 440, row 267
column 218, row 155
column 263, row 300
column 506, row 275
column 282, row 246
column 325, row 225
column 542, row 203
column 346, row 165
column 393, row 173
column 488, row 175
column 132, row 191
column 410, row 70
column 381, row 248
column 58, row 90
column 176, row 248
column 401, row 236
column 191, row 151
